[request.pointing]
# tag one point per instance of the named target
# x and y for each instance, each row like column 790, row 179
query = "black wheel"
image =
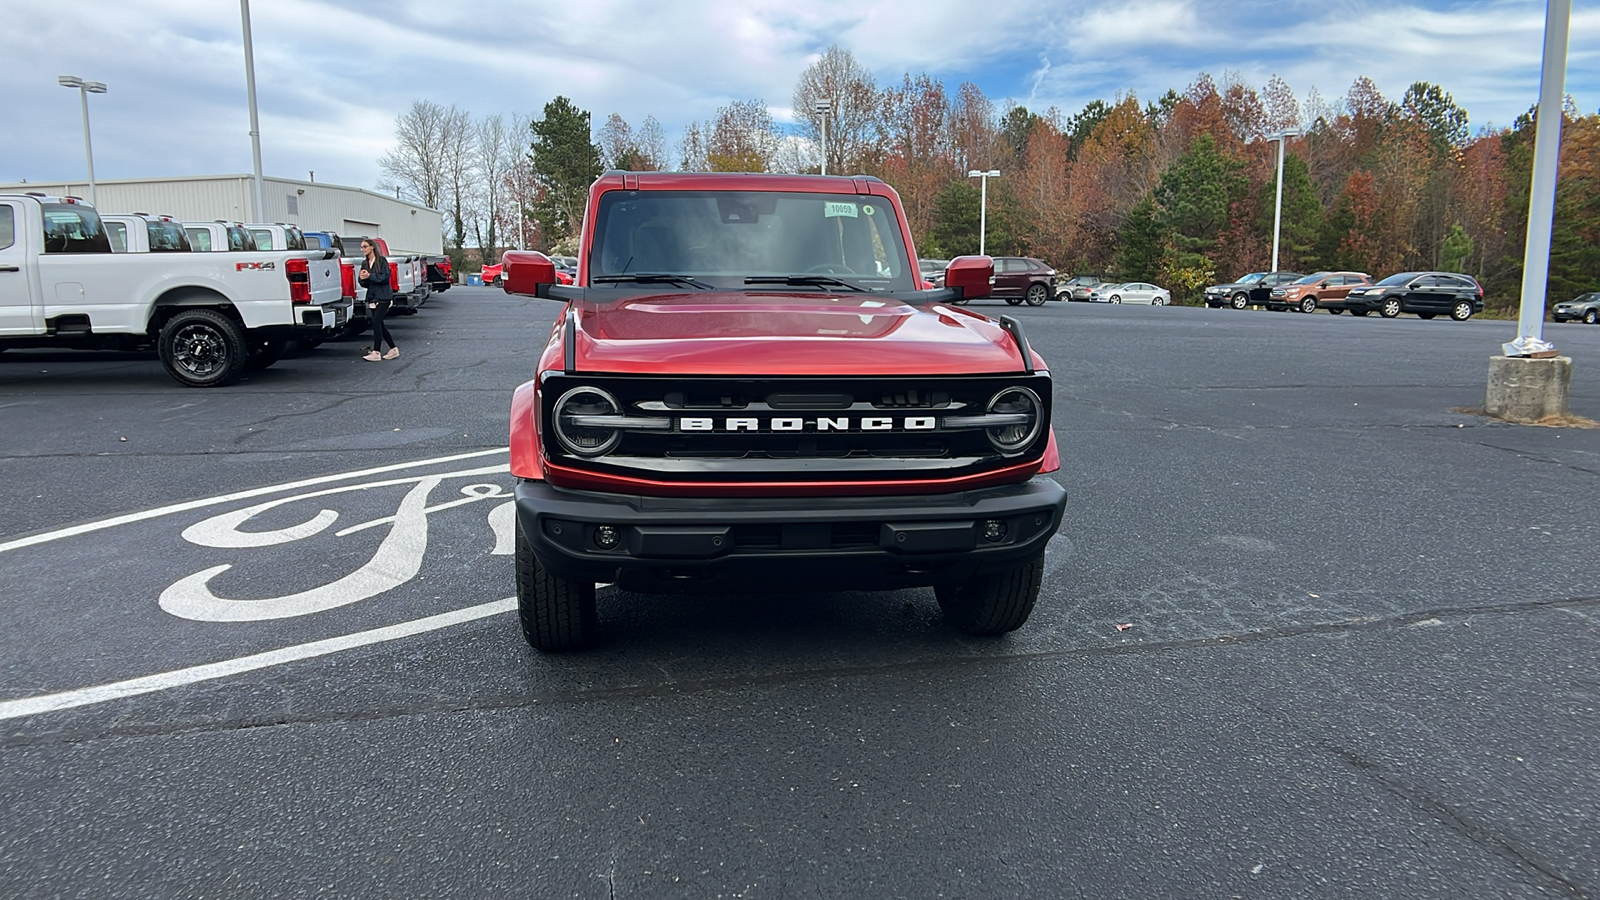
column 1334, row 312
column 1240, row 301
column 1013, row 301
column 995, row 603
column 1308, row 305
column 1038, row 294
column 1390, row 308
column 1463, row 311
column 1361, row 313
column 1425, row 315
column 1592, row 317
column 264, row 354
column 203, row 348
column 556, row 614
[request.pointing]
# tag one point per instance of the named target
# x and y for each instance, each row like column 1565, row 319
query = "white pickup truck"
column 210, row 316
column 144, row 233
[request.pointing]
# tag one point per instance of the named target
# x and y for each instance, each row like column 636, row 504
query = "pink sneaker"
column 372, row 357
column 394, row 353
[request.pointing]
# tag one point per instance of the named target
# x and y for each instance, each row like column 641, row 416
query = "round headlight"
column 579, row 436
column 1025, row 416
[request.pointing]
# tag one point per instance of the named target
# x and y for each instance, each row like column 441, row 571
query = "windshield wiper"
column 805, row 280
column 651, row 278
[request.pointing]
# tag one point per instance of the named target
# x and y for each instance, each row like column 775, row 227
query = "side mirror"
column 971, row 274
column 526, row 272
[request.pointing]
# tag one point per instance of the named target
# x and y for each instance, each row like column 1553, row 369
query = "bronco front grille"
column 800, row 429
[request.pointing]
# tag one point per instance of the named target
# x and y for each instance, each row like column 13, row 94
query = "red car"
column 749, row 389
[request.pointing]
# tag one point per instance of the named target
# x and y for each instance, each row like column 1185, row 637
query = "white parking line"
column 103, row 524
column 148, row 684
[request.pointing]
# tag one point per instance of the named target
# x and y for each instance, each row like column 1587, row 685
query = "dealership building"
column 310, row 205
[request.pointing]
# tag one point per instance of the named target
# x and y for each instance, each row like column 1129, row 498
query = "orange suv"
column 1324, row 289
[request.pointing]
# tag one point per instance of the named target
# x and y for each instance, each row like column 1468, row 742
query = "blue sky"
column 333, row 76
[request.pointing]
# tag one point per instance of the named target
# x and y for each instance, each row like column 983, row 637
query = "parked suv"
column 1023, row 279
column 748, row 388
column 1426, row 294
column 1324, row 289
column 1077, row 287
column 1585, row 307
column 1254, row 289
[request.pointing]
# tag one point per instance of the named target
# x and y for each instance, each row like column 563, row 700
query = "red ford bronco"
column 748, row 389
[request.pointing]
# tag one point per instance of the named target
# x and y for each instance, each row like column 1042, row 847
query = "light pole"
column 250, row 91
column 983, row 205
column 85, row 88
column 1277, row 208
column 824, row 108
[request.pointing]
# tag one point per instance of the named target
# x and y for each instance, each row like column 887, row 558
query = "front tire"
column 1463, row 311
column 1240, row 301
column 1390, row 309
column 1308, row 305
column 1116, row 299
column 556, row 614
column 203, row 348
column 1592, row 317
column 1038, row 295
column 994, row 603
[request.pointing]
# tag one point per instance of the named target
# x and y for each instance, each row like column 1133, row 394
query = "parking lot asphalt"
column 1312, row 628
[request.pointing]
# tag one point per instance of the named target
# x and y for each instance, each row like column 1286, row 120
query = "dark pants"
column 380, row 332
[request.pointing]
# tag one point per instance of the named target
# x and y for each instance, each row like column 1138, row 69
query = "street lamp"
column 85, row 88
column 983, row 205
column 250, row 94
column 824, row 108
column 1277, row 209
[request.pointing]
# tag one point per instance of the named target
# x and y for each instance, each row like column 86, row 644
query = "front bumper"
column 862, row 543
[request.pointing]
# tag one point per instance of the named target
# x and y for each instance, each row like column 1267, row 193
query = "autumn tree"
column 741, row 138
column 916, row 142
column 854, row 126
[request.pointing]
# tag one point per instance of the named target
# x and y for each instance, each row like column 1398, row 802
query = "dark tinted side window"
column 69, row 228
column 294, row 239
column 8, row 226
column 239, row 239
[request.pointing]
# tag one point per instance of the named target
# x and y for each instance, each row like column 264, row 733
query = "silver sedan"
column 1131, row 292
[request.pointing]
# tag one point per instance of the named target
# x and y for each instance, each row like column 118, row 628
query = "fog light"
column 994, row 530
column 606, row 537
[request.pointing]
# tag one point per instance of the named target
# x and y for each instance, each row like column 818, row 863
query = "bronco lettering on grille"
column 823, row 423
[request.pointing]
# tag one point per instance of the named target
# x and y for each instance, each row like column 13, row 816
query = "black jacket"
column 377, row 281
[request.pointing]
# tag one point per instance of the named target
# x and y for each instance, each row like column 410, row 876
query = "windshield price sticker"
column 830, row 210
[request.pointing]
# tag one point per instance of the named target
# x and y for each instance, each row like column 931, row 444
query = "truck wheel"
column 1240, row 301
column 1037, row 295
column 264, row 354
column 1389, row 309
column 1462, row 311
column 203, row 348
column 994, row 603
column 556, row 614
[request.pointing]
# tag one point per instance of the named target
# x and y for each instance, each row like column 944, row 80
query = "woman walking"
column 380, row 293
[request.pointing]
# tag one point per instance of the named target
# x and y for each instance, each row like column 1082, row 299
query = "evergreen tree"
column 1142, row 253
column 956, row 233
column 1195, row 198
column 566, row 161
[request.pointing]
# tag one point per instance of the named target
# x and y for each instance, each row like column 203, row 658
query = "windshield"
column 724, row 237
column 167, row 237
column 1398, row 278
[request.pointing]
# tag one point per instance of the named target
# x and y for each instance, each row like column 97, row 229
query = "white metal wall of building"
column 313, row 206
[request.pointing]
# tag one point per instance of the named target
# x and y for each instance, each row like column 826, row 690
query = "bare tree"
column 651, row 145
column 742, row 138
column 692, row 150
column 459, row 164
column 417, row 161
column 494, row 152
column 853, row 143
